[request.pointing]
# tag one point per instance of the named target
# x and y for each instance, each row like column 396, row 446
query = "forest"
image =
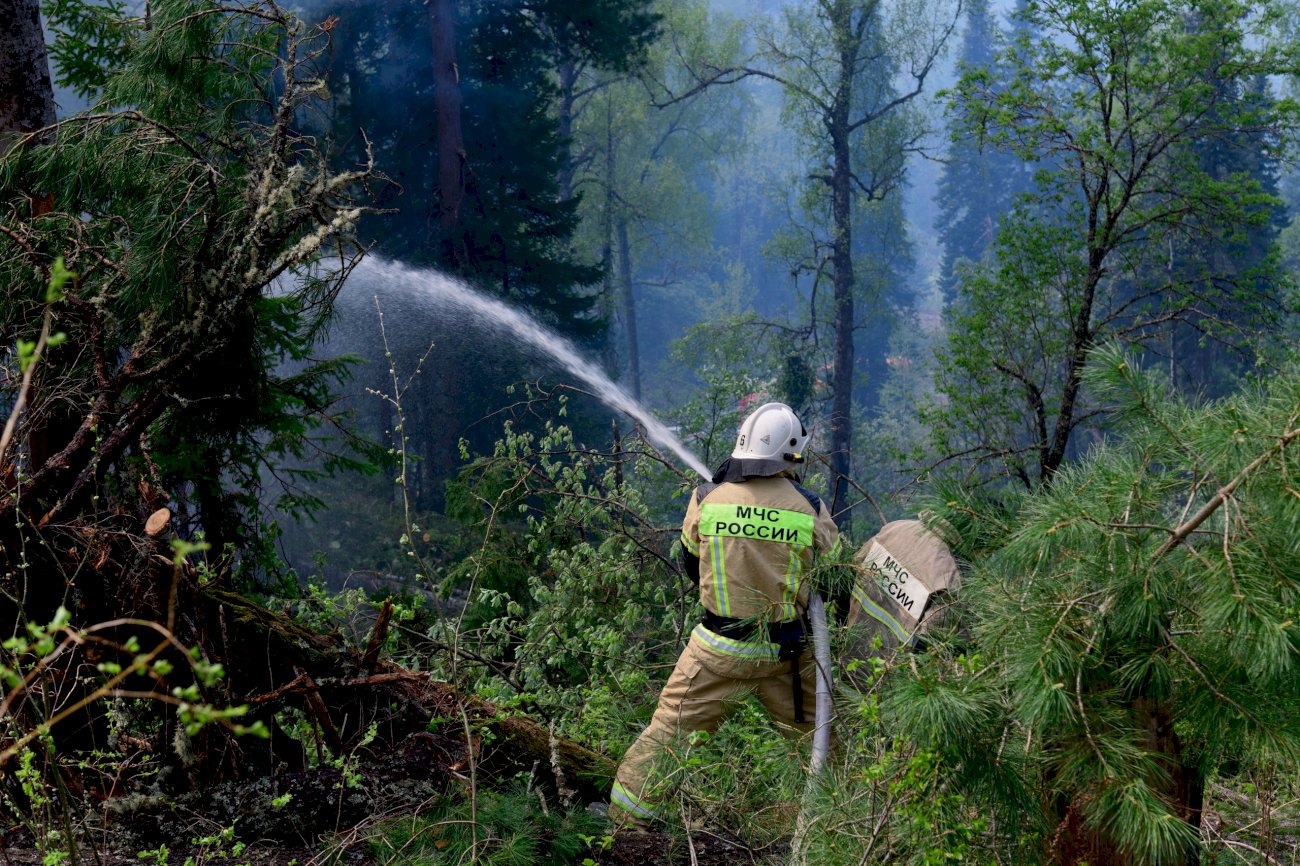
column 361, row 362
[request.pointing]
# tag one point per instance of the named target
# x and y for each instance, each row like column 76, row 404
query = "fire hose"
column 821, row 744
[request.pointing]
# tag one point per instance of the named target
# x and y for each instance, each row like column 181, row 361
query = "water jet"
column 499, row 317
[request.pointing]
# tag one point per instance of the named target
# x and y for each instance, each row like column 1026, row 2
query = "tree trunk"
column 447, row 97
column 607, row 245
column 568, row 85
column 629, row 310
column 1183, row 788
column 1052, row 454
column 842, row 265
column 26, row 105
column 836, row 120
column 26, row 94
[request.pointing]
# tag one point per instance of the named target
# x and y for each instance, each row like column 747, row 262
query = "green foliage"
column 90, row 41
column 645, row 174
column 514, row 827
column 882, row 801
column 745, row 778
column 35, row 793
column 514, row 232
column 731, row 374
column 1142, row 625
column 214, row 847
column 999, row 373
column 569, row 576
column 192, row 213
column 979, row 185
column 1152, row 152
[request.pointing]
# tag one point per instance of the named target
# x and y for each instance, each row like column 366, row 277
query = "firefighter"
column 907, row 581
column 747, row 540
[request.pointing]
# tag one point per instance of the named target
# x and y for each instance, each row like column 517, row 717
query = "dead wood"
column 157, row 522
column 312, row 691
column 273, row 662
column 378, row 635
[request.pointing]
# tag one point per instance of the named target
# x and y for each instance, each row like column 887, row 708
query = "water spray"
column 500, row 317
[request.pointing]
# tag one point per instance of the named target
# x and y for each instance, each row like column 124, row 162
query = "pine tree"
column 1135, row 623
column 515, row 226
column 513, row 235
column 1206, row 351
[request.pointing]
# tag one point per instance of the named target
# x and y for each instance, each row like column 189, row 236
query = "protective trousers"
column 712, row 677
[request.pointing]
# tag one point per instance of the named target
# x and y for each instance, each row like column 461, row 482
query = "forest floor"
column 627, row 849
column 1238, row 829
column 664, row 849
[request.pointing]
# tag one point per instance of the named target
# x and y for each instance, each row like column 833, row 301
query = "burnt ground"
column 637, row 848
column 1236, row 829
column 665, row 849
column 331, row 816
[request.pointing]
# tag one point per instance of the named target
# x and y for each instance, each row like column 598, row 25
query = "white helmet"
column 771, row 432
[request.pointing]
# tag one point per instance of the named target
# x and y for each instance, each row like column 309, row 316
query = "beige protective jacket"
column 755, row 540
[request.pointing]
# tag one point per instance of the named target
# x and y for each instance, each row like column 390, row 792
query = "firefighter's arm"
column 691, row 540
column 691, row 564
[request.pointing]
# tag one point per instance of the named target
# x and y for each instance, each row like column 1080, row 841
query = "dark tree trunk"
column 26, row 105
column 842, row 266
column 629, row 310
column 447, row 97
column 1052, row 454
column 26, row 94
column 607, row 245
column 1183, row 788
column 568, row 84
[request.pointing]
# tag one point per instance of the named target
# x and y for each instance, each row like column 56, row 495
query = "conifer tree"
column 975, row 188
column 1205, row 351
column 191, row 212
column 1135, row 623
column 514, row 231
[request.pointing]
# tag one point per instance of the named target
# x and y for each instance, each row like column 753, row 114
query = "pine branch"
column 1181, row 534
